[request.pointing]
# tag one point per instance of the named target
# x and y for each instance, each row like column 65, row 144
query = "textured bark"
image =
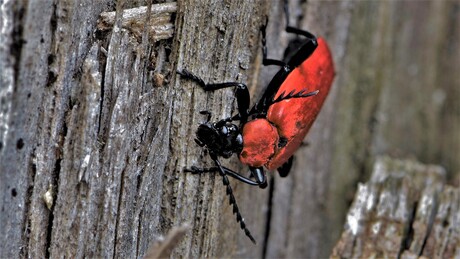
column 96, row 127
column 82, row 117
column 404, row 211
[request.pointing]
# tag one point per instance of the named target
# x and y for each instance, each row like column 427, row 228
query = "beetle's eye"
column 224, row 130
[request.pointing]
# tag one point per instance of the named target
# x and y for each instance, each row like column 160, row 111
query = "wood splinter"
column 159, row 24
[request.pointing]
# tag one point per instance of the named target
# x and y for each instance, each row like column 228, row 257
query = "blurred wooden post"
column 404, row 211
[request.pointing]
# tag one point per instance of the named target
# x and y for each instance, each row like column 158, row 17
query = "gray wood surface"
column 404, row 211
column 96, row 127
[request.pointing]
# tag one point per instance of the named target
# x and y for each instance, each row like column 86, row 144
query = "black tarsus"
column 185, row 73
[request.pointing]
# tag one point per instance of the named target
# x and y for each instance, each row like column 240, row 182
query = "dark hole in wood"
column 20, row 144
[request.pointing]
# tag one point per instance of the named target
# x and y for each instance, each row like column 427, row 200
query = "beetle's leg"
column 241, row 91
column 215, row 169
column 259, row 174
column 312, row 41
column 302, row 49
column 266, row 61
column 294, row 30
column 304, row 33
column 285, row 168
column 198, row 170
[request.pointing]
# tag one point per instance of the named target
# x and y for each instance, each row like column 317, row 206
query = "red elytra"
column 291, row 118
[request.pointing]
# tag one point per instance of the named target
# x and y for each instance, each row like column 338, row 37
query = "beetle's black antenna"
column 229, row 191
column 236, row 211
column 301, row 94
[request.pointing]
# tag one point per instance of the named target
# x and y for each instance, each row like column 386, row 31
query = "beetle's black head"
column 221, row 138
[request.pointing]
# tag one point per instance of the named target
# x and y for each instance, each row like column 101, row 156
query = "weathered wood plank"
column 405, row 210
column 85, row 134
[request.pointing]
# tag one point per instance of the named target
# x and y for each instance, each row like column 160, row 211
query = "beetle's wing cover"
column 294, row 117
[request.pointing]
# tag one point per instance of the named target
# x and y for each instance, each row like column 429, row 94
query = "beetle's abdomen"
column 259, row 142
column 294, row 117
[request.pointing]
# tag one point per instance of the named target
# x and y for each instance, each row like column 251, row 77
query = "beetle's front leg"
column 198, row 170
column 241, row 91
column 259, row 174
column 260, row 180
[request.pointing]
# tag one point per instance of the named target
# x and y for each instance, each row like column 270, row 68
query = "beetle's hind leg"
column 268, row 61
column 291, row 29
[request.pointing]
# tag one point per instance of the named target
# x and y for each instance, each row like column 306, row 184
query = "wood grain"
column 95, row 123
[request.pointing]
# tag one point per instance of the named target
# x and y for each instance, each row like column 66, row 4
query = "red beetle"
column 273, row 129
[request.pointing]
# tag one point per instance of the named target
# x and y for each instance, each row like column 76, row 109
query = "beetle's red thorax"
column 294, row 117
column 259, row 142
